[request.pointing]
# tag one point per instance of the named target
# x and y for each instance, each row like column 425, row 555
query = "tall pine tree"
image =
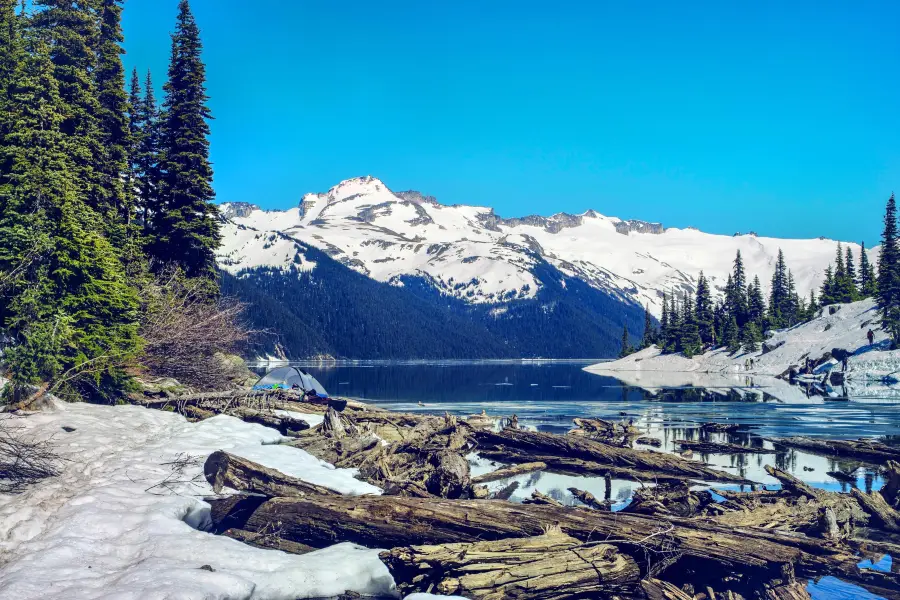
column 867, row 283
column 889, row 274
column 703, row 310
column 109, row 76
column 186, row 229
column 146, row 159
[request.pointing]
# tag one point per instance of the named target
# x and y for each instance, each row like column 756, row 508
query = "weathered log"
column 891, row 488
column 789, row 591
column 268, row 541
column 223, row 469
column 865, row 450
column 649, row 441
column 589, row 499
column 843, row 477
column 828, row 524
column 609, row 432
column 721, row 448
column 576, row 466
column 656, row 589
column 883, row 515
column 720, row 427
column 398, row 521
column 550, row 566
column 792, row 484
column 287, row 426
column 507, row 492
column 510, row 471
column 539, row 498
column 547, row 444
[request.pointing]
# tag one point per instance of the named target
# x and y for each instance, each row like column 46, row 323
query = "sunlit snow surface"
column 467, row 252
column 107, row 526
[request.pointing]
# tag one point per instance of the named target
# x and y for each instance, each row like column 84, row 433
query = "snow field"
column 110, row 527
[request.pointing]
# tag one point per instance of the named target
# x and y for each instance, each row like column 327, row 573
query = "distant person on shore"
column 871, row 336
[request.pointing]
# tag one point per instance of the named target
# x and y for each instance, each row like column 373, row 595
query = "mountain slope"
column 330, row 310
column 470, row 253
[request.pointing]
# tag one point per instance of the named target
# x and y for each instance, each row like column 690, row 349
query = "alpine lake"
column 548, row 394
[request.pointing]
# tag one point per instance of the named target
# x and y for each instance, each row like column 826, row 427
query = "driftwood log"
column 609, row 432
column 548, row 444
column 865, row 450
column 749, row 555
column 722, row 448
column 227, row 470
column 588, row 499
column 510, row 471
column 550, row 566
column 792, row 484
column 883, row 515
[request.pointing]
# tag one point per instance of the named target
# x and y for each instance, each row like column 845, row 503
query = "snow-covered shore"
column 838, row 326
column 109, row 527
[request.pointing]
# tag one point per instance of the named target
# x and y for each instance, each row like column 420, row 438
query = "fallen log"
column 792, row 484
column 676, row 500
column 227, row 470
column 577, row 466
column 539, row 498
column 789, row 591
column 287, row 426
column 883, row 515
column 267, row 541
column 375, row 521
column 720, row 427
column 609, row 432
column 656, row 589
column 865, row 450
column 722, row 448
column 510, row 471
column 550, row 566
column 891, row 488
column 507, row 492
column 649, row 441
column 589, row 499
column 545, row 444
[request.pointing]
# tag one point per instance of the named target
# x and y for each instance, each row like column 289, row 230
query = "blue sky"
column 777, row 117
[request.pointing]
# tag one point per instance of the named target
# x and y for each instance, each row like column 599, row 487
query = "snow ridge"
column 472, row 253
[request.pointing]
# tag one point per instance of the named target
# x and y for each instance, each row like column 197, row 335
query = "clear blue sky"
column 773, row 116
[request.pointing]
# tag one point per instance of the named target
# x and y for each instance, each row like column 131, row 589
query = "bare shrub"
column 186, row 333
column 23, row 460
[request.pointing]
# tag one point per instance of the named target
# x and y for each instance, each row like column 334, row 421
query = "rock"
column 207, row 568
column 770, row 345
column 68, row 429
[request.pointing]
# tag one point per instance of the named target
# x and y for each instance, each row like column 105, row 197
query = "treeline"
column 102, row 193
column 738, row 320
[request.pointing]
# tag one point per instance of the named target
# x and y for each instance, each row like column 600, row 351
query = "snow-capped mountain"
column 473, row 254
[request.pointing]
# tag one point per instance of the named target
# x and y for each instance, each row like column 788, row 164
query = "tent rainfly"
column 290, row 378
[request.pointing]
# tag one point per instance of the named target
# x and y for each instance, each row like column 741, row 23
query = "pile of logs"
column 445, row 533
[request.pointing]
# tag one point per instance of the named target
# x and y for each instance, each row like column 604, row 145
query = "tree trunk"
column 720, row 448
column 535, row 443
column 378, row 521
column 860, row 449
column 227, row 470
column 550, row 566
column 510, row 471
column 792, row 484
column 882, row 514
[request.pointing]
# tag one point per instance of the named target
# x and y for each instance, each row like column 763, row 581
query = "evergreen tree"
column 69, row 306
column 812, row 306
column 889, row 274
column 704, row 311
column 778, row 295
column 186, row 230
column 146, row 160
column 732, row 335
column 736, row 292
column 68, row 29
column 793, row 306
column 827, row 293
column 135, row 131
column 649, row 331
column 867, row 285
column 626, row 345
column 689, row 341
column 850, row 268
column 751, row 337
column 664, row 330
column 112, row 163
column 756, row 304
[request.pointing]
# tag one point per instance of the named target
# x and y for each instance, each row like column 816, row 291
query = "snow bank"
column 875, row 366
column 119, row 521
column 838, row 326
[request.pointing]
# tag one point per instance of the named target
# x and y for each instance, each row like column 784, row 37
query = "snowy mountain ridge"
column 472, row 253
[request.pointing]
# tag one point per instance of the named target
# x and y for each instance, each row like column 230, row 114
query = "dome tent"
column 290, row 378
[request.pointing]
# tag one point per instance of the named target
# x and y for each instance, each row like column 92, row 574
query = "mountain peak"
column 356, row 186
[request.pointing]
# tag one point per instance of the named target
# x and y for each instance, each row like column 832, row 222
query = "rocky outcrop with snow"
column 472, row 253
column 841, row 326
